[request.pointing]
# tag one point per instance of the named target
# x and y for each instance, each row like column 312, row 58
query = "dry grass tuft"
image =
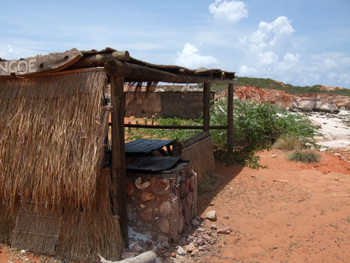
column 306, row 156
column 287, row 143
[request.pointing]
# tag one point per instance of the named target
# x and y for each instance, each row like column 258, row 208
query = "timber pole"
column 206, row 107
column 118, row 154
column 230, row 117
column 141, row 73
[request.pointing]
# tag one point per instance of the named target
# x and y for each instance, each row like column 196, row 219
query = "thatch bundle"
column 199, row 151
column 52, row 130
column 51, row 140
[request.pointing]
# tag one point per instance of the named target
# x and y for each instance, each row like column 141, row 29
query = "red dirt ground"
column 288, row 212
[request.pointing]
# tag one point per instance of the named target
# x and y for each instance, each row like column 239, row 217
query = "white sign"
column 17, row 67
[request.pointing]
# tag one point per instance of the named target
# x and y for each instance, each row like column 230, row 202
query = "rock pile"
column 201, row 240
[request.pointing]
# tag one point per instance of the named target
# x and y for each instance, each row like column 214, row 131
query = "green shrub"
column 306, row 156
column 258, row 126
column 253, row 124
column 298, row 126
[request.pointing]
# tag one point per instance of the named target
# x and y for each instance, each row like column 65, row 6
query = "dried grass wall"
column 51, row 137
column 52, row 130
column 199, row 151
column 201, row 157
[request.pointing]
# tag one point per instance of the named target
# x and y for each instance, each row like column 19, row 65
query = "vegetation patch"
column 305, row 156
column 166, row 133
column 288, row 143
column 256, row 127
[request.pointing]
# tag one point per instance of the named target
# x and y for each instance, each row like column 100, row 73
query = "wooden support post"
column 230, row 117
column 129, row 129
column 145, row 121
column 118, row 154
column 137, row 123
column 152, row 119
column 206, row 107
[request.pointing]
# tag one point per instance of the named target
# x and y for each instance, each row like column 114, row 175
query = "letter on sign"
column 17, row 66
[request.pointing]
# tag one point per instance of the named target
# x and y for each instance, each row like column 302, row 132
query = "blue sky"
column 301, row 42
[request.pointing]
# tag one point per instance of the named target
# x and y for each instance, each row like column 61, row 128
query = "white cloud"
column 267, row 58
column 10, row 52
column 191, row 58
column 244, row 70
column 269, row 53
column 344, row 78
column 228, row 11
column 273, row 35
column 329, row 64
column 291, row 58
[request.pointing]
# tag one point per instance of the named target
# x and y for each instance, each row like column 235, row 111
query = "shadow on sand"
column 210, row 188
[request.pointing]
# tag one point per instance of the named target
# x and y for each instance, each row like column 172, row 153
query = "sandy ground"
column 8, row 255
column 289, row 212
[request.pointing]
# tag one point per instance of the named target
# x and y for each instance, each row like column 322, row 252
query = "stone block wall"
column 161, row 205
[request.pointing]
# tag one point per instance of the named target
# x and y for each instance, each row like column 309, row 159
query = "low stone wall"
column 161, row 205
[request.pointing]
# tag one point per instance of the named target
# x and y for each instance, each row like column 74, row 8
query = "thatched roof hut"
column 55, row 198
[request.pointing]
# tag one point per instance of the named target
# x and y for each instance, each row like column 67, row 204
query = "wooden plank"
column 134, row 72
column 37, row 65
column 175, row 127
column 230, row 117
column 206, row 107
column 118, row 154
column 196, row 138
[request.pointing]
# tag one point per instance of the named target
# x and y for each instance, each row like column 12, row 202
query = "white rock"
column 211, row 215
column 181, row 251
column 140, row 185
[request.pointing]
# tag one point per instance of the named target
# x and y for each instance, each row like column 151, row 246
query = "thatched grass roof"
column 51, row 140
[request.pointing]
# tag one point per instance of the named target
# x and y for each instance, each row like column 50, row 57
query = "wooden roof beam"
column 141, row 73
